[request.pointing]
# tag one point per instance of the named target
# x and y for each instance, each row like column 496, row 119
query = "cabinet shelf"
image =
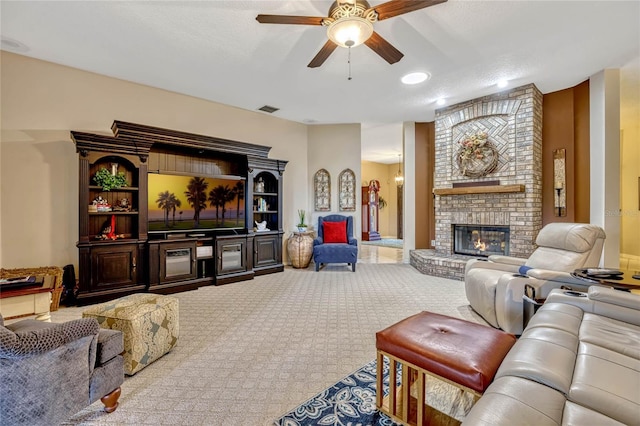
column 121, row 189
column 113, row 213
column 266, row 211
column 261, row 194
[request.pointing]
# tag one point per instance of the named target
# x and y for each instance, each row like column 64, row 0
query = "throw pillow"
column 335, row 232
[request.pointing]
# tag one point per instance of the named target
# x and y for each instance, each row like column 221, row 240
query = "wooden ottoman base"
column 149, row 323
column 461, row 353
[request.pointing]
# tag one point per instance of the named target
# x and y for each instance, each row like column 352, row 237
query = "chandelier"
column 399, row 178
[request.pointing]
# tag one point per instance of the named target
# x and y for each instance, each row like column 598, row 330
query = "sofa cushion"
column 335, row 232
column 575, row 414
column 611, row 334
column 541, row 359
column 607, row 382
column 514, row 400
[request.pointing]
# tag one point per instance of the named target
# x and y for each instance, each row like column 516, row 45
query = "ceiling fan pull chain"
column 349, row 62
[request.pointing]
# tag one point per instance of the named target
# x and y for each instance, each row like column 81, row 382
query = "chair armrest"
column 353, row 242
column 27, row 341
column 484, row 264
column 564, row 278
column 614, row 297
column 508, row 260
column 545, row 281
column 317, row 241
column 110, row 344
column 604, row 301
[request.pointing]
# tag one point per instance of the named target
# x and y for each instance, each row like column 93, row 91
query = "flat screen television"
column 179, row 203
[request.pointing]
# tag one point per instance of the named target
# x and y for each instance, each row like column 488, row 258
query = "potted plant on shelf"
column 302, row 226
column 108, row 180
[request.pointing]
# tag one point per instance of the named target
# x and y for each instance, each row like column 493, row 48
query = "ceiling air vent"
column 268, row 108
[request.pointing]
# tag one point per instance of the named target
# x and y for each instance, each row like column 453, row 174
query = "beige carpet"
column 251, row 351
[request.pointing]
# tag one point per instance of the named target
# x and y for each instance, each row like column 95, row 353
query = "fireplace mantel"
column 491, row 189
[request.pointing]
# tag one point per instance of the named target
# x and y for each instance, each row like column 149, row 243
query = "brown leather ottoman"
column 456, row 351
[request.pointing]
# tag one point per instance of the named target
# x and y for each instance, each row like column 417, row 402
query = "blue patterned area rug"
column 352, row 401
column 385, row 242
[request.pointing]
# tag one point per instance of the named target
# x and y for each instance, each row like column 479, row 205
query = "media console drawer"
column 204, row 251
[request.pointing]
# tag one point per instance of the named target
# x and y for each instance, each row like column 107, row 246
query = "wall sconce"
column 560, row 182
column 399, row 178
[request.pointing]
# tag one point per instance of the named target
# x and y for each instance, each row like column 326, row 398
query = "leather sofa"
column 495, row 287
column 51, row 371
column 577, row 362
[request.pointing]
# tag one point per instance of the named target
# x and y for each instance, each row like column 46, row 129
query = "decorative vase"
column 300, row 249
column 302, row 229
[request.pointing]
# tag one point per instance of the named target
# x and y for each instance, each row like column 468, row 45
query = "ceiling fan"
column 350, row 23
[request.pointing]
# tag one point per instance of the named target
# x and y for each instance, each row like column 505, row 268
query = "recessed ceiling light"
column 441, row 101
column 503, row 83
column 415, row 78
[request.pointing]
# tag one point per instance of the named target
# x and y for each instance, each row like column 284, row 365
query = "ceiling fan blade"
column 323, row 54
column 398, row 7
column 383, row 48
column 284, row 19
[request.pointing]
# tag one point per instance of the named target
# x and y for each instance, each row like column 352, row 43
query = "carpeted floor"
column 250, row 352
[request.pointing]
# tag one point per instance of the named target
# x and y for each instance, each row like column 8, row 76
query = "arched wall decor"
column 347, row 190
column 322, row 191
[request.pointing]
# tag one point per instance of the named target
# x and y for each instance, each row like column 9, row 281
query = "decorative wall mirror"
column 322, row 191
column 347, row 190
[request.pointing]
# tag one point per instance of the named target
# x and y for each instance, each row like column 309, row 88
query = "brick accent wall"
column 513, row 121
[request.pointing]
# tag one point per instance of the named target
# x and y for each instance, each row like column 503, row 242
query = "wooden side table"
column 27, row 301
column 300, row 248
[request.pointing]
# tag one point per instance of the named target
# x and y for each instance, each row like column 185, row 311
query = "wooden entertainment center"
column 131, row 258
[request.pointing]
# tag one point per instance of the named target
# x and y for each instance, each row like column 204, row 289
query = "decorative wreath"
column 476, row 156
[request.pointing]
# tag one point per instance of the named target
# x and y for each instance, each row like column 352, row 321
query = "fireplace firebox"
column 480, row 240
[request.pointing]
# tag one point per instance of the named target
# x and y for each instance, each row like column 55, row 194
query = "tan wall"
column 385, row 174
column 630, row 162
column 334, row 148
column 41, row 102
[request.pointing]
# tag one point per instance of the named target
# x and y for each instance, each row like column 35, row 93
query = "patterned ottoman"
column 149, row 323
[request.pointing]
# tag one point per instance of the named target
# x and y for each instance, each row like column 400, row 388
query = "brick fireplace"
column 500, row 187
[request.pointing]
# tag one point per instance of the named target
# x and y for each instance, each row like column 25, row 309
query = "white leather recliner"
column 495, row 287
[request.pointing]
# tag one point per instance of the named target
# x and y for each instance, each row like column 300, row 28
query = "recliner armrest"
column 545, row 281
column 614, row 297
column 508, row 260
column 353, row 242
column 318, row 241
column 604, row 301
column 559, row 276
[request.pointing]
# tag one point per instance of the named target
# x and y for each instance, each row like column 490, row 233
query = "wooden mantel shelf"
column 492, row 189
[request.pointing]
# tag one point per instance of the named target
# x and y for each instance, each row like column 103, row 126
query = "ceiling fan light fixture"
column 350, row 31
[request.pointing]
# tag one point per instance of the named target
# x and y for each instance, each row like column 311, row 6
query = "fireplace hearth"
column 480, row 240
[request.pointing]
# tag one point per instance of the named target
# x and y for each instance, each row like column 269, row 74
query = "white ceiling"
column 216, row 50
